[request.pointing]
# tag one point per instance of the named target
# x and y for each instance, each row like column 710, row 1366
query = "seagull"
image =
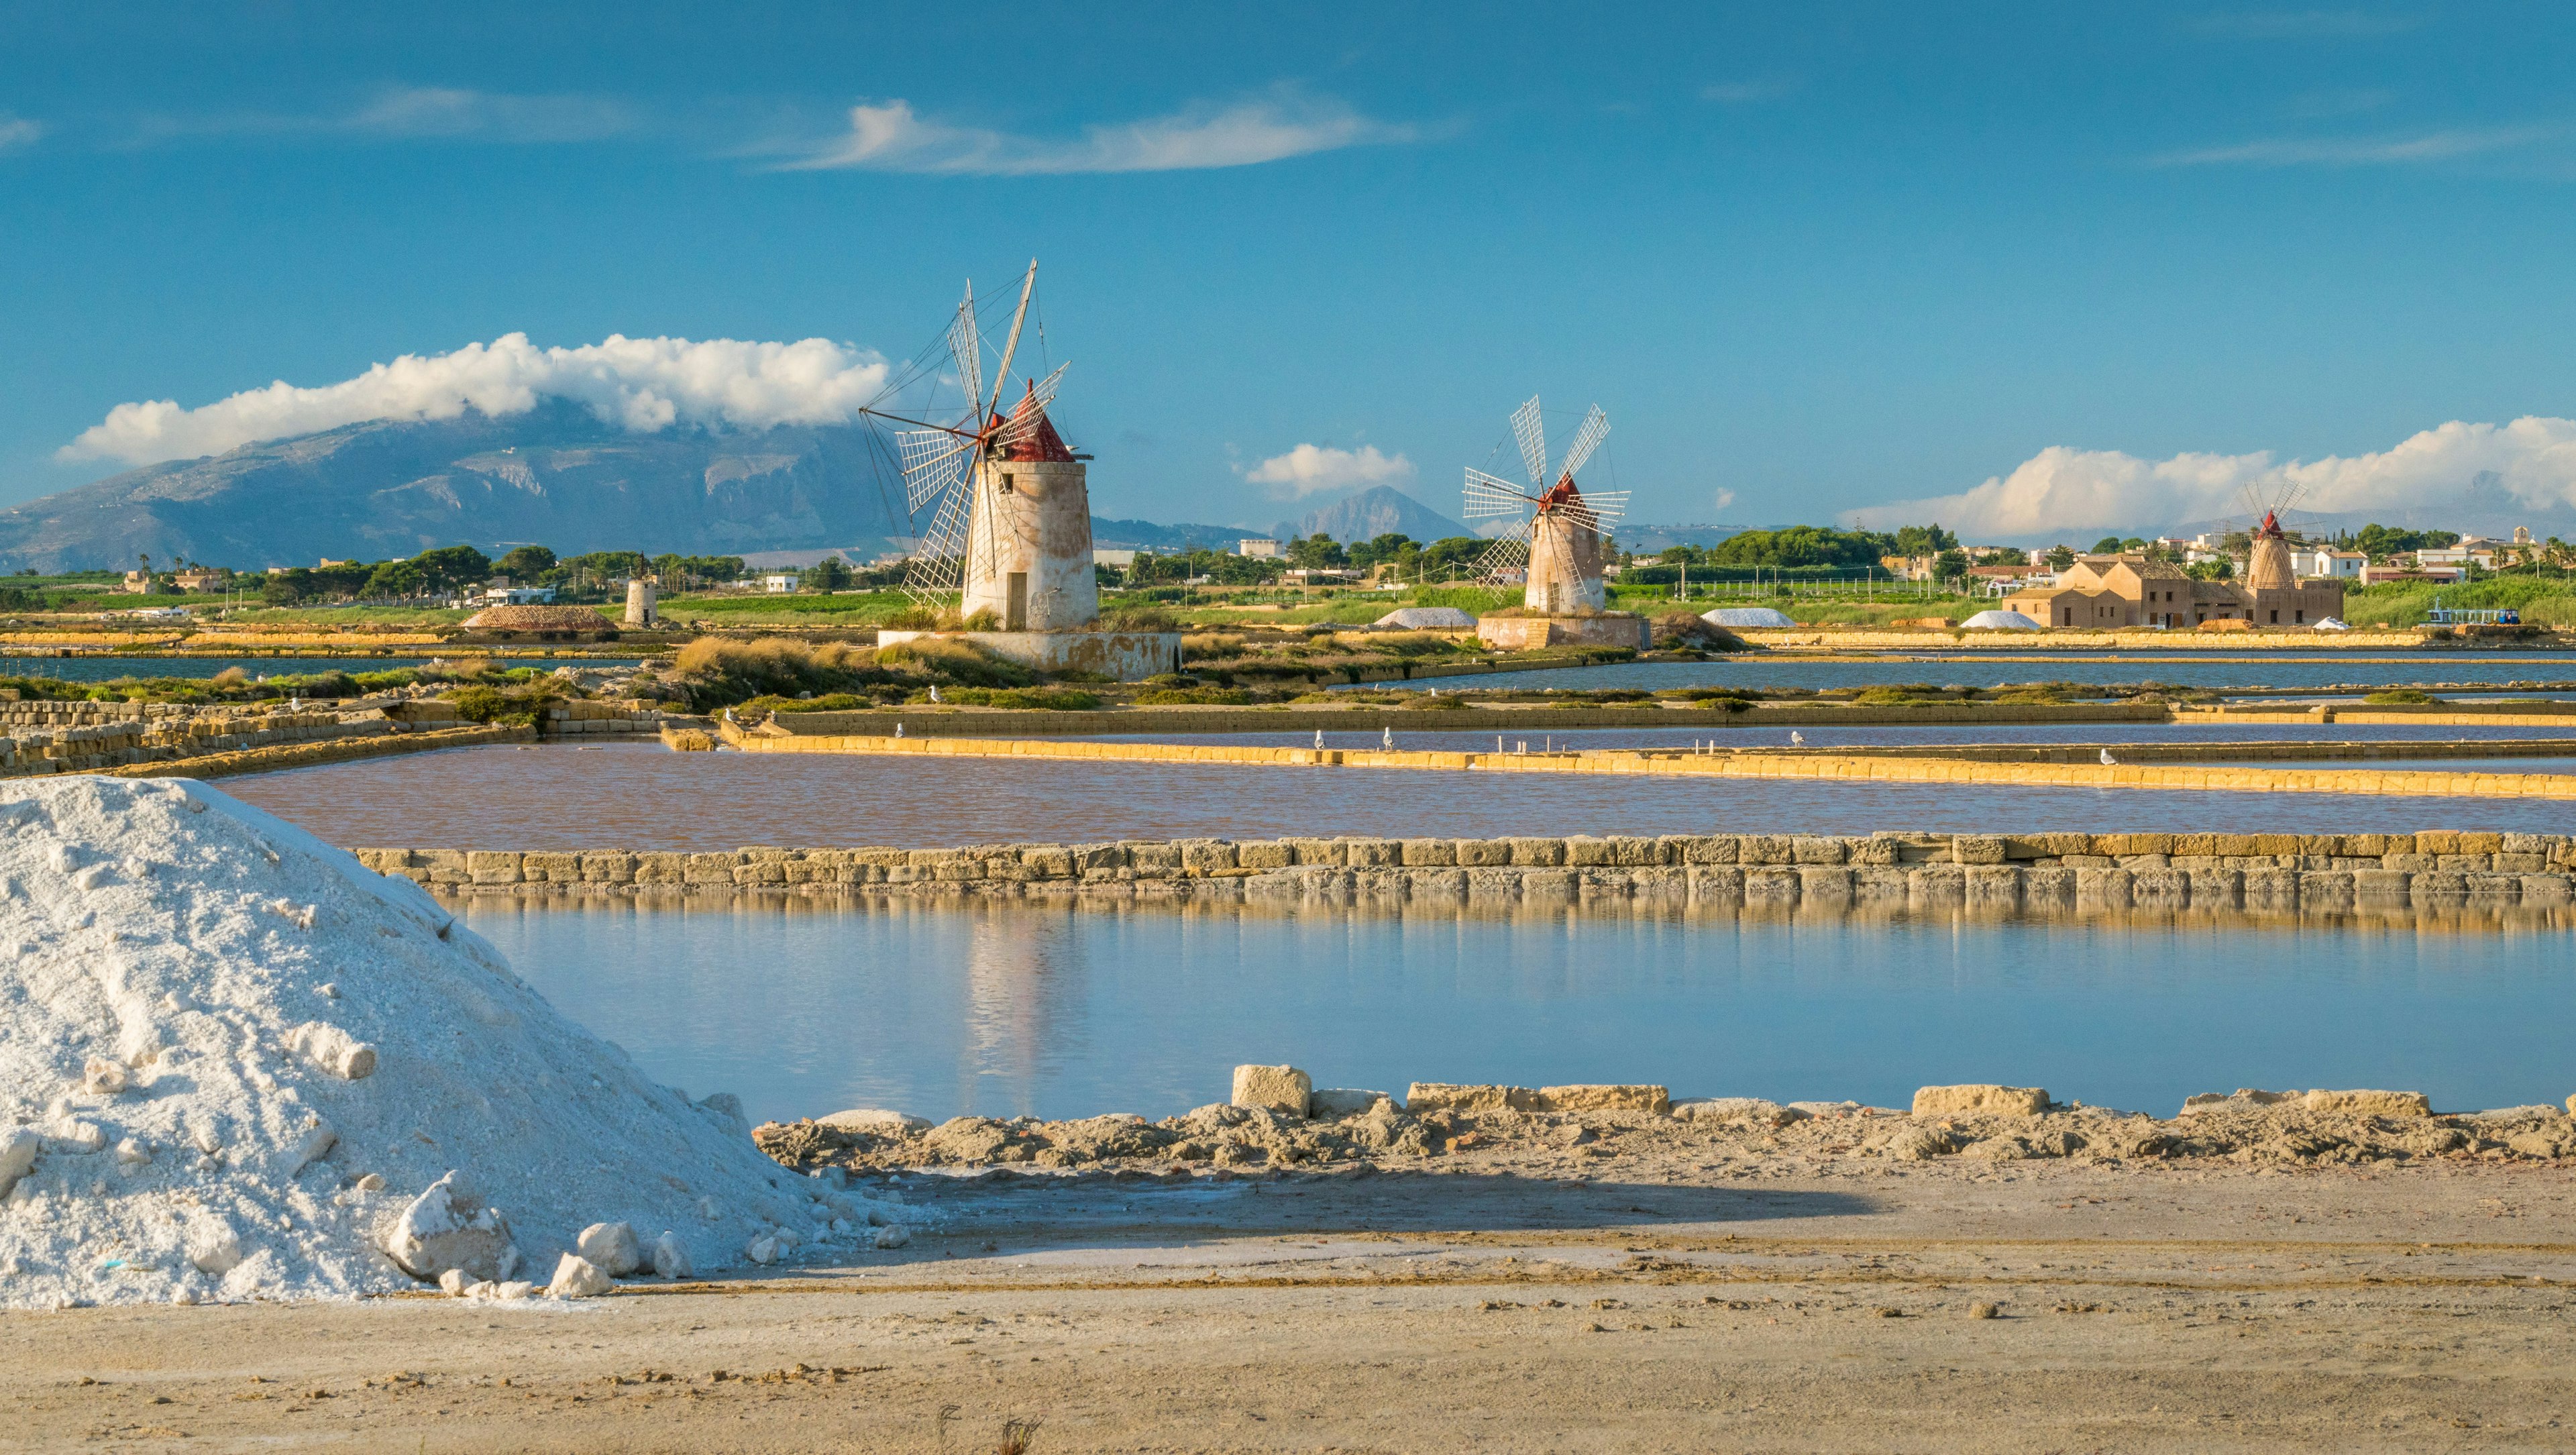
column 2107, row 760
column 898, row 729
column 934, row 692
column 1386, row 737
column 1796, row 738
column 1319, row 737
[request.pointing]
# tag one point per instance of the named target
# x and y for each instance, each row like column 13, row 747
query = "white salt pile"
column 234, row 1063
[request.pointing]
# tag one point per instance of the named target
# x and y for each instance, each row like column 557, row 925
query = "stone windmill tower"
column 1009, row 505
column 1555, row 546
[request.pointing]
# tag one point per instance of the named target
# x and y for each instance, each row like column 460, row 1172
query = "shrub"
column 2400, row 697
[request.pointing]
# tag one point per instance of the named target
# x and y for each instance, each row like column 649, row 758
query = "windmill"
column 1555, row 546
column 2267, row 565
column 1009, row 510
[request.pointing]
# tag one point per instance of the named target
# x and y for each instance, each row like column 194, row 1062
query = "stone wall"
column 2304, row 872
column 1512, row 722
column 97, row 737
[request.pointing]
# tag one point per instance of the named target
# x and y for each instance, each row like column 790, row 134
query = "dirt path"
column 2410, row 1308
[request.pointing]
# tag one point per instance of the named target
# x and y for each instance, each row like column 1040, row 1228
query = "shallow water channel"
column 1055, row 1010
column 2216, row 671
column 643, row 796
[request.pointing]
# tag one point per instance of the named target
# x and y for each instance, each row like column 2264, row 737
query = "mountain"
column 1373, row 512
column 556, row 476
column 1144, row 535
column 1648, row 539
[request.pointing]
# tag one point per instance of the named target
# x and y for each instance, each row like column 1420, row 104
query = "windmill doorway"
column 1015, row 614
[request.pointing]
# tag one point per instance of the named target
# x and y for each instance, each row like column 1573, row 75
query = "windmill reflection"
column 1027, row 975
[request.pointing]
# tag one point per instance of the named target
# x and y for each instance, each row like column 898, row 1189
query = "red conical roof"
column 1041, row 443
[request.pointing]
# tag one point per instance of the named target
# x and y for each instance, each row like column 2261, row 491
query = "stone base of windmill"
column 1593, row 629
column 1119, row 656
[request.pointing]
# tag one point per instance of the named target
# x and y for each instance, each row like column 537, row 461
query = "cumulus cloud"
column 1724, row 500
column 2376, row 151
column 2070, row 492
column 1313, row 469
column 18, row 131
column 1746, row 93
column 640, row 384
column 893, row 138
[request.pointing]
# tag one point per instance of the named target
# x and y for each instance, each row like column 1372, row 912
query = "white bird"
column 1319, row 737
column 2107, row 759
column 934, row 692
column 1796, row 738
column 1386, row 737
column 898, row 729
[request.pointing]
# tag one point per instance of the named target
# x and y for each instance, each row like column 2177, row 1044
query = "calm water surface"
column 1054, row 1011
column 104, row 669
column 2366, row 670
column 643, row 796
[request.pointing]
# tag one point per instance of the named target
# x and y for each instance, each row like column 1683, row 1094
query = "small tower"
column 2268, row 567
column 1564, row 557
column 643, row 602
column 1028, row 538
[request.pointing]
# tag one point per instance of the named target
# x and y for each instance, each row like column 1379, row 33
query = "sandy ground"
column 1804, row 1306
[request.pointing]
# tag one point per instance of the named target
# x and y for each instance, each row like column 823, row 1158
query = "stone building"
column 2134, row 590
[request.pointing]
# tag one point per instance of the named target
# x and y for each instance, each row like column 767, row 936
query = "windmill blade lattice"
column 1509, row 554
column 1024, row 419
column 1596, row 425
column 1488, row 496
column 1532, row 435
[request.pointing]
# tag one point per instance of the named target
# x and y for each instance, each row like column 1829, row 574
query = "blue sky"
column 1811, row 258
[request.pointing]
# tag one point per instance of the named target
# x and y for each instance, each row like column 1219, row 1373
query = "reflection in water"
column 1002, row 1008
column 1024, row 984
column 2198, row 669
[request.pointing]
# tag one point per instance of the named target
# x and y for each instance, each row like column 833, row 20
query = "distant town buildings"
column 2133, row 589
column 2329, row 564
column 1262, row 547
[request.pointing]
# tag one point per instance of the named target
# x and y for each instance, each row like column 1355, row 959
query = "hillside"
column 1371, row 513
column 556, row 475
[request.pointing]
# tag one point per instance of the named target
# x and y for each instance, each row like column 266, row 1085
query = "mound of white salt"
column 234, row 1063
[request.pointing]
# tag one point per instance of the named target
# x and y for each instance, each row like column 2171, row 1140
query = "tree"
column 1316, row 552
column 1949, row 564
column 2381, row 542
column 2060, row 557
column 2217, row 570
column 287, row 588
column 2107, row 546
column 449, row 567
column 1803, row 545
column 1916, row 540
column 396, row 579
column 525, row 563
column 828, row 574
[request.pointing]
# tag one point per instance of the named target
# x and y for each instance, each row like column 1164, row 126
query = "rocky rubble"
column 1474, row 1127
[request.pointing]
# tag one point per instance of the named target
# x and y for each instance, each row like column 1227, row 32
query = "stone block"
column 578, row 1277
column 1645, row 1100
column 1877, row 850
column 1630, row 852
column 1426, row 1096
column 2520, row 863
column 1676, row 848
column 1993, row 885
column 1482, row 853
column 1712, row 849
column 1322, row 852
column 1049, row 861
column 1771, row 884
column 1547, row 853
column 1753, row 849
column 2369, row 1103
column 1372, row 853
column 1730, row 1109
column 1716, row 884
column 1817, row 851
column 1879, row 884
column 1979, row 1099
column 1335, row 1102
column 1283, row 1089
column 608, row 867
column 1583, row 851
column 1429, row 853
column 2552, row 889
column 1977, row 849
column 1265, row 855
column 2327, row 890
column 484, row 867
column 1146, row 854
column 1206, row 856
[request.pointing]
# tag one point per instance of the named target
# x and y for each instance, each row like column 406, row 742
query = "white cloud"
column 892, row 138
column 1746, row 93
column 439, row 112
column 641, row 384
column 1313, row 469
column 2431, row 146
column 2085, row 492
column 1724, row 500
column 18, row 131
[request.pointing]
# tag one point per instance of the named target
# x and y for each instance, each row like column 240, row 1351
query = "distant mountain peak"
column 1368, row 514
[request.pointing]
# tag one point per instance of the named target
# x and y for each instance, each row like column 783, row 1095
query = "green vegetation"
column 2545, row 596
column 2401, row 697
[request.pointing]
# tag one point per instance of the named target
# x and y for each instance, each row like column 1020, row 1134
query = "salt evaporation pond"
column 109, row 668
column 645, row 797
column 2372, row 669
column 1053, row 1010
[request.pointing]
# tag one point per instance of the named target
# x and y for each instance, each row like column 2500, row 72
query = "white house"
column 1108, row 556
column 778, row 583
column 2330, row 565
column 1258, row 548
column 2459, row 555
